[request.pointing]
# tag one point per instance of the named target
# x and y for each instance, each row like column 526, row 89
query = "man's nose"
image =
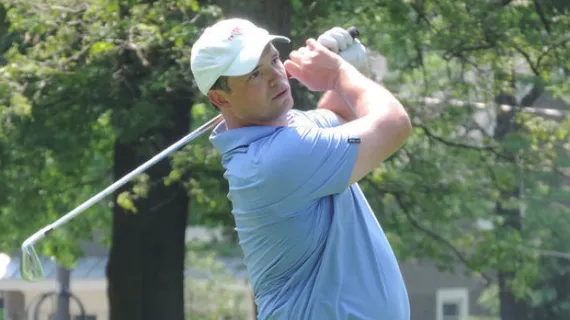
column 276, row 76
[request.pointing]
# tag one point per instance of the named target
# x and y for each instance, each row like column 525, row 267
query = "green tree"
column 93, row 89
column 55, row 138
column 470, row 162
column 89, row 90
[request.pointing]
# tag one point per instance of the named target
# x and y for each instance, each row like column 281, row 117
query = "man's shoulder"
column 265, row 152
column 269, row 160
column 264, row 173
column 286, row 148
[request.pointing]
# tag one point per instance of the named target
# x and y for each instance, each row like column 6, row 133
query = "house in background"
column 437, row 295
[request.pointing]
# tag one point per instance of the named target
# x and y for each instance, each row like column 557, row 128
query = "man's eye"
column 254, row 74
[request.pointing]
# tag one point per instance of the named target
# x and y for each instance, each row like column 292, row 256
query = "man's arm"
column 332, row 101
column 352, row 51
column 382, row 123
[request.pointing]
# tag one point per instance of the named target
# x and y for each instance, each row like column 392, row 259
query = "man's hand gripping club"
column 349, row 48
column 315, row 66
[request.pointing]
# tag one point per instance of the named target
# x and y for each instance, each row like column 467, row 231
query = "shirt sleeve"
column 301, row 164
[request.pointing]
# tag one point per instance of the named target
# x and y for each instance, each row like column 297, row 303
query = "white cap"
column 231, row 47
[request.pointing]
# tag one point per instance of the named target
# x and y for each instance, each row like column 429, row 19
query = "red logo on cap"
column 235, row 31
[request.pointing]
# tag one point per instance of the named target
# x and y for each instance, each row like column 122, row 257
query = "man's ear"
column 219, row 98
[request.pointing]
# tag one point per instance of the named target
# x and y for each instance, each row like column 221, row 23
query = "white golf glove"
column 351, row 50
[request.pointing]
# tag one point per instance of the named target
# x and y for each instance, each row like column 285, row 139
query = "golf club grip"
column 353, row 31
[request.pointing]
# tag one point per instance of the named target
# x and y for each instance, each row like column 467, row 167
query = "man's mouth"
column 280, row 94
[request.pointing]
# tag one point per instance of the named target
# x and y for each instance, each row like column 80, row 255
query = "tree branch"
column 458, row 254
column 39, row 7
column 419, row 9
column 166, row 201
column 561, row 172
column 430, row 233
column 461, row 145
column 130, row 44
column 78, row 55
column 528, row 59
column 458, row 52
column 561, row 43
column 541, row 15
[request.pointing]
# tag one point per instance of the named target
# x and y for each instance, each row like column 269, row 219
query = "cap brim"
column 249, row 57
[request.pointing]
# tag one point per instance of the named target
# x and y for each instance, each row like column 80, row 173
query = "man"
column 312, row 245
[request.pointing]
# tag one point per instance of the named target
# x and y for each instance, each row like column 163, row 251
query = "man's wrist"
column 347, row 73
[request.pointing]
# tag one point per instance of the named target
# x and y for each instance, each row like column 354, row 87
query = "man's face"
column 263, row 96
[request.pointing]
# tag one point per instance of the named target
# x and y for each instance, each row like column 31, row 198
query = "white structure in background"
column 88, row 284
column 452, row 304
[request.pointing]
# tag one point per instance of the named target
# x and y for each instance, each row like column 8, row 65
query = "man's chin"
column 285, row 102
column 287, row 107
column 279, row 113
column 288, row 102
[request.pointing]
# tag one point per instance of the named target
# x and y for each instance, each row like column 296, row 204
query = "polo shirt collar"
column 226, row 141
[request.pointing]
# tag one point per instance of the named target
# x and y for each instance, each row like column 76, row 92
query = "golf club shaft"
column 119, row 183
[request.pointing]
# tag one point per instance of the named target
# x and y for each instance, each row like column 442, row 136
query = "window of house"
column 452, row 304
column 451, row 311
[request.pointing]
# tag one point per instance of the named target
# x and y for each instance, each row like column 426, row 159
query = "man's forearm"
column 363, row 95
column 334, row 102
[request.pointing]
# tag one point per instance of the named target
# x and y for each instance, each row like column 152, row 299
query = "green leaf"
column 100, row 47
column 124, row 199
column 20, row 105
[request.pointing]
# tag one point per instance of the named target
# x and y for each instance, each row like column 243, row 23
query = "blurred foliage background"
column 90, row 89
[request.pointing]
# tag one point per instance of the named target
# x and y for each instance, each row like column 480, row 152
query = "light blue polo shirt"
column 312, row 245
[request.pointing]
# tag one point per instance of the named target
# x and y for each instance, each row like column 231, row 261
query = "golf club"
column 31, row 268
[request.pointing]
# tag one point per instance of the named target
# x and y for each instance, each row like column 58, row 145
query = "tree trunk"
column 146, row 261
column 510, row 307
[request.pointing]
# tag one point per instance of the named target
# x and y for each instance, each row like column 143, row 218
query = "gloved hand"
column 338, row 40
